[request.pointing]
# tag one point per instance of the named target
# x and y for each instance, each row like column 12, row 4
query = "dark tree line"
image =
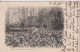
column 47, row 18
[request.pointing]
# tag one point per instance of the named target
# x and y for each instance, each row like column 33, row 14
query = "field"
column 37, row 39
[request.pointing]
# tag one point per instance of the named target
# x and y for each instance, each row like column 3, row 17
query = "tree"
column 58, row 25
column 7, row 19
column 41, row 17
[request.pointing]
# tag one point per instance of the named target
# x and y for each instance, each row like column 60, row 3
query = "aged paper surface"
column 39, row 26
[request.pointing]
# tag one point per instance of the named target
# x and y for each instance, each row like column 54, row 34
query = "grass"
column 37, row 39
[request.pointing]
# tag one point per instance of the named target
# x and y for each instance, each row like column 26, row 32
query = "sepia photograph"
column 34, row 27
column 49, row 26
